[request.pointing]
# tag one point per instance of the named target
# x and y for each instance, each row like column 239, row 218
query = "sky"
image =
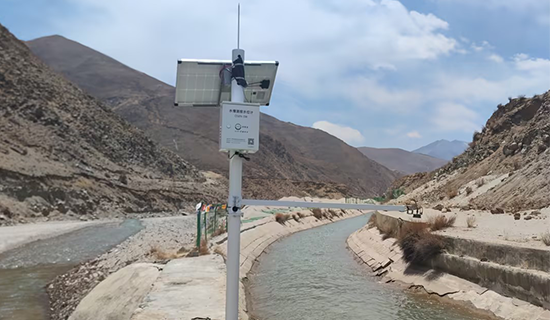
column 375, row 73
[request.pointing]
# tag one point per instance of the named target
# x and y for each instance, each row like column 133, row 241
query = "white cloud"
column 414, row 134
column 525, row 63
column 317, row 42
column 496, row 58
column 349, row 135
column 455, row 117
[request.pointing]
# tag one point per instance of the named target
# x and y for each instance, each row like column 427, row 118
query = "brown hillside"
column 292, row 159
column 65, row 155
column 507, row 165
column 403, row 161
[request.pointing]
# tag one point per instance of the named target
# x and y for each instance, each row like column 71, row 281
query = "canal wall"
column 186, row 288
column 493, row 277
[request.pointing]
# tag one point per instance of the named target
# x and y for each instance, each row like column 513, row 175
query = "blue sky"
column 375, row 73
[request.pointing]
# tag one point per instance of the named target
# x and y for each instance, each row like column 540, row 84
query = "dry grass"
column 282, row 218
column 296, row 218
column 471, row 221
column 469, row 190
column 317, row 213
column 219, row 251
column 480, row 182
column 451, row 192
column 372, row 221
column 418, row 243
column 332, row 213
column 221, row 230
column 203, row 250
column 300, row 215
column 441, row 222
column 545, row 237
column 161, row 254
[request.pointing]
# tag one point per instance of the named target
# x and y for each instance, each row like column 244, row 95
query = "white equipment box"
column 240, row 127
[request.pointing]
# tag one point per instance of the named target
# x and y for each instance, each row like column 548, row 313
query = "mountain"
column 506, row 166
column 403, row 161
column 443, row 149
column 63, row 154
column 293, row 160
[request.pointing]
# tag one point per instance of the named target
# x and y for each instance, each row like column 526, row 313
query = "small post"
column 205, row 228
column 198, row 229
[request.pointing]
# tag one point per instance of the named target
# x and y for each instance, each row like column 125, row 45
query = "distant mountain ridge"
column 443, row 149
column 293, row 160
column 403, row 161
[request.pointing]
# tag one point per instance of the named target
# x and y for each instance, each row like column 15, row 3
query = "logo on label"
column 251, row 141
column 238, row 126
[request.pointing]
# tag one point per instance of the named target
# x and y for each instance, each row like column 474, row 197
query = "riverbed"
column 312, row 275
column 25, row 271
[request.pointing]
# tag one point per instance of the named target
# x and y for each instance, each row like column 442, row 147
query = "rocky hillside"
column 507, row 166
column 292, row 160
column 402, row 161
column 63, row 154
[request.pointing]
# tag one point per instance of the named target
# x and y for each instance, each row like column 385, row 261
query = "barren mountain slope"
column 506, row 166
column 403, row 161
column 292, row 160
column 443, row 149
column 63, row 154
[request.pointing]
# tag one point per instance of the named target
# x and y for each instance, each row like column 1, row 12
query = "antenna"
column 239, row 26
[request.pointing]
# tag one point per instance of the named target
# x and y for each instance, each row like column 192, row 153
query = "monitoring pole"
column 234, row 214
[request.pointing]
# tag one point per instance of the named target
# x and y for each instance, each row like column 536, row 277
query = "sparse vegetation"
column 317, row 213
column 161, row 254
column 296, row 217
column 480, row 182
column 545, row 237
column 203, row 250
column 471, row 221
column 451, row 192
column 372, row 221
column 418, row 243
column 221, row 230
column 441, row 222
column 333, row 213
column 281, row 218
column 300, row 215
column 469, row 190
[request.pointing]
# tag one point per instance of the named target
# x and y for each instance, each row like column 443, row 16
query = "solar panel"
column 201, row 83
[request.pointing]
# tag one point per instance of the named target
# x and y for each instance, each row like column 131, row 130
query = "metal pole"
column 198, row 229
column 234, row 215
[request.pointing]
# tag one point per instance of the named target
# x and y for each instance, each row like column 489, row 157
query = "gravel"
column 164, row 234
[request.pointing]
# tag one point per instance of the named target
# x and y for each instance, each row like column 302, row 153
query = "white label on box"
column 240, row 127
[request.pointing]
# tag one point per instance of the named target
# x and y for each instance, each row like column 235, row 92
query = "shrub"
column 281, row 218
column 451, row 192
column 300, row 215
column 546, row 238
column 333, row 213
column 203, row 250
column 296, row 218
column 480, row 182
column 317, row 213
column 221, row 230
column 372, row 221
column 418, row 244
column 471, row 221
column 469, row 190
column 441, row 222
column 161, row 254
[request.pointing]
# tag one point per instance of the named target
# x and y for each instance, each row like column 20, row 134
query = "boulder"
column 438, row 207
column 535, row 213
column 528, row 217
column 497, row 211
column 517, row 216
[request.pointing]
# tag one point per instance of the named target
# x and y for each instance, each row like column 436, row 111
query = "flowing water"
column 311, row 275
column 25, row 271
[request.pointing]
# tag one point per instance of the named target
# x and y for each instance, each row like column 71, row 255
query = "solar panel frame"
column 199, row 84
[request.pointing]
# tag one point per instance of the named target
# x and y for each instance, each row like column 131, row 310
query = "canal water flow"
column 311, row 275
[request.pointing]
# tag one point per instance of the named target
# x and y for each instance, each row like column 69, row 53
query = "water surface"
column 311, row 275
column 25, row 271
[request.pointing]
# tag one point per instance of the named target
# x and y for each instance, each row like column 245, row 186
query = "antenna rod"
column 239, row 27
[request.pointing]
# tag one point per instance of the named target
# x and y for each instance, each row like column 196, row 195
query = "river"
column 312, row 275
column 25, row 271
